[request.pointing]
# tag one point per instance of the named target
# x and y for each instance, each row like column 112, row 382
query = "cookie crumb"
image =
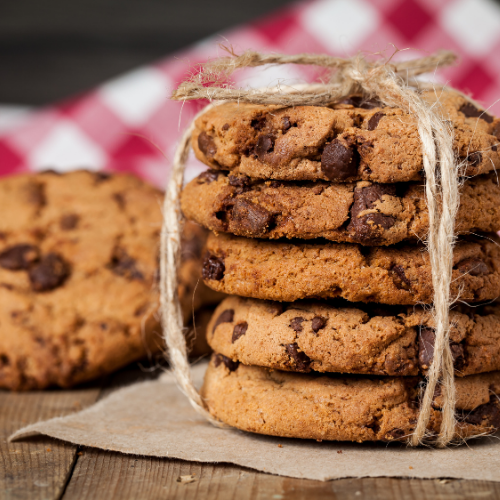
column 410, row 467
column 339, row 452
column 280, row 446
column 186, row 479
column 48, row 450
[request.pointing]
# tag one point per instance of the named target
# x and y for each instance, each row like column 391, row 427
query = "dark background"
column 51, row 49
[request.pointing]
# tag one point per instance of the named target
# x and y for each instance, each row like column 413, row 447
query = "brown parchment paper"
column 155, row 419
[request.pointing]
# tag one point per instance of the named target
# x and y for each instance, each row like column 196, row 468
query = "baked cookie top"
column 353, row 140
column 340, row 407
column 362, row 212
column 78, row 276
column 400, row 274
column 338, row 336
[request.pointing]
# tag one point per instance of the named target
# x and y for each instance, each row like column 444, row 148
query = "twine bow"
column 394, row 84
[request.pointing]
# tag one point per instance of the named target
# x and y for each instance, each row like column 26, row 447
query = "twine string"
column 390, row 84
column 345, row 77
column 171, row 312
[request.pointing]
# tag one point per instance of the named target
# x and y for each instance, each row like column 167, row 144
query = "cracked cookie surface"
column 362, row 212
column 400, row 274
column 340, row 337
column 353, row 140
column 78, row 276
column 339, row 407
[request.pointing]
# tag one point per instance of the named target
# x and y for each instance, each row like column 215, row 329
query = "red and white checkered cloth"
column 129, row 124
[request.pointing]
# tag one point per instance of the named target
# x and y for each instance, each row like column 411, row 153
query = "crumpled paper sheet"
column 155, row 419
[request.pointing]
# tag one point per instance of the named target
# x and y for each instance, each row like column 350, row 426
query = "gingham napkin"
column 129, row 124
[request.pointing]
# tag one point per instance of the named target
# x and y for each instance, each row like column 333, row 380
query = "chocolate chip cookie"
column 362, row 212
column 400, row 274
column 193, row 293
column 337, row 336
column 355, row 139
column 78, row 276
column 340, row 407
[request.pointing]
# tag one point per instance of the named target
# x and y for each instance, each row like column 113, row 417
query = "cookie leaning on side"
column 78, row 276
column 348, row 173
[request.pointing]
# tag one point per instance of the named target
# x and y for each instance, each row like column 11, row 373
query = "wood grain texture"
column 106, row 475
column 37, row 468
column 29, row 470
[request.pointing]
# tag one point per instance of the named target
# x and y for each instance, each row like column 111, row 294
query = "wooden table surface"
column 43, row 468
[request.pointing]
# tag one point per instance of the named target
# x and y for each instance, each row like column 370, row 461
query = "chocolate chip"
column 300, row 360
column 239, row 330
column 486, row 415
column 250, row 217
column 276, row 308
column 426, row 347
column 228, row 362
column 318, row 323
column 19, row 257
column 4, row 360
column 296, row 323
column 470, row 111
column 49, row 273
column 208, row 176
column 258, row 123
column 213, row 268
column 493, row 148
column 339, row 162
column 101, row 176
column 458, row 355
column 226, row 316
column 399, row 364
column 241, row 181
column 124, row 265
column 36, row 194
column 69, row 221
column 119, row 198
column 286, row 123
column 373, row 121
column 474, row 159
column 207, row 145
column 426, row 340
column 472, row 266
column 265, row 145
column 367, row 227
column 225, row 126
column 399, row 278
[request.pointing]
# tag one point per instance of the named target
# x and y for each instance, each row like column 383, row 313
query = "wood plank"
column 108, row 475
column 37, row 468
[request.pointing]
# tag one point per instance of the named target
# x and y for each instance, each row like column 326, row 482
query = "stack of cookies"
column 318, row 216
